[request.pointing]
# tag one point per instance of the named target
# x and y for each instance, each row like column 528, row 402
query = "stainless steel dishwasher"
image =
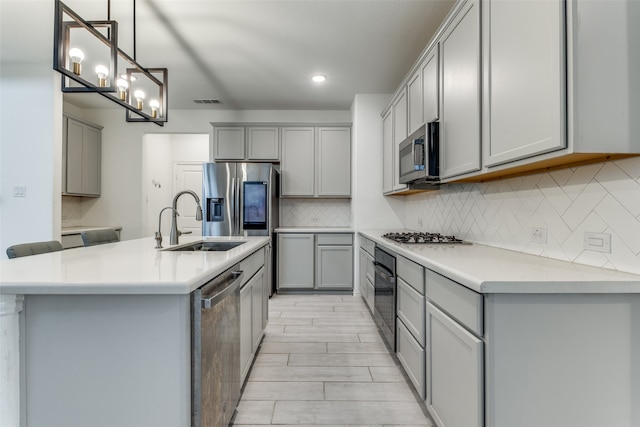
column 215, row 350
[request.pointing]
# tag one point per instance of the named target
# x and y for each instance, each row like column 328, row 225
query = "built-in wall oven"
column 385, row 296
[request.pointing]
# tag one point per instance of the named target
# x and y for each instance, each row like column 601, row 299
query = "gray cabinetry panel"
column 295, row 261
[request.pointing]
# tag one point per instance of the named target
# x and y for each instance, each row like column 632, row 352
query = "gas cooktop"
column 424, row 238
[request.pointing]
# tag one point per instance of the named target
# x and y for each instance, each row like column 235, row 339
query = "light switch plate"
column 20, row 191
column 599, row 242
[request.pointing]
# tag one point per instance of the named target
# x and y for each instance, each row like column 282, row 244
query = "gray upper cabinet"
column 246, row 143
column 228, row 143
column 298, row 159
column 316, row 162
column 263, row 143
column 460, row 103
column 400, row 123
column 333, row 162
column 430, row 85
column 414, row 101
column 388, row 155
column 524, row 67
column 82, row 144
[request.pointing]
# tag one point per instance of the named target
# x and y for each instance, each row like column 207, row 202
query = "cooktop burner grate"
column 424, row 238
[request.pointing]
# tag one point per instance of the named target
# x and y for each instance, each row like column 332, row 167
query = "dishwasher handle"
column 234, row 282
column 384, row 272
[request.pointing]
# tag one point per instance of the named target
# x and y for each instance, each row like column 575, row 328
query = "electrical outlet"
column 419, row 222
column 315, row 219
column 538, row 235
column 20, row 191
column 599, row 242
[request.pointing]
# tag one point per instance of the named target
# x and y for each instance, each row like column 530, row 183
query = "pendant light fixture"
column 87, row 55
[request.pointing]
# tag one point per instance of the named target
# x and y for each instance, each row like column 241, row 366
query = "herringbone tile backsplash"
column 315, row 213
column 599, row 198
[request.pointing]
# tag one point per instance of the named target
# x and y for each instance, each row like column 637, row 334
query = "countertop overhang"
column 486, row 269
column 127, row 267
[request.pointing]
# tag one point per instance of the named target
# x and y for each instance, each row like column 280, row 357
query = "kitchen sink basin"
column 207, row 246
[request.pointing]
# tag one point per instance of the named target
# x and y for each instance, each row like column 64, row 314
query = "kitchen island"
column 105, row 333
column 511, row 339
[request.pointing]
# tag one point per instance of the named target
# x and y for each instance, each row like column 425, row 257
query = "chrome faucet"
column 173, row 238
column 158, row 235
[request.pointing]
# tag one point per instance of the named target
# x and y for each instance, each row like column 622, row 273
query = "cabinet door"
column 362, row 273
column 74, row 156
column 82, row 159
column 399, row 134
column 411, row 355
column 526, row 73
column 388, row 168
column 256, row 308
column 454, row 372
column 263, row 143
column 411, row 310
column 333, row 162
column 297, row 167
column 246, row 337
column 334, row 267
column 295, row 261
column 414, row 93
column 228, row 143
column 430, row 85
column 400, row 121
column 460, row 120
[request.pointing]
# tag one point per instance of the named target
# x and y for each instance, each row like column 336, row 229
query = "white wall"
column 599, row 198
column 159, row 153
column 122, row 196
column 370, row 209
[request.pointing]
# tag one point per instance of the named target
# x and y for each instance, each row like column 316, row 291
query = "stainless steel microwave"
column 419, row 155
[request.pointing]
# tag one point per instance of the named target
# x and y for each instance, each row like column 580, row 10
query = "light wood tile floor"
column 323, row 363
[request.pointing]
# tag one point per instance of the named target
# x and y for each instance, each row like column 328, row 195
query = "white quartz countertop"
column 128, row 267
column 486, row 269
column 314, row 230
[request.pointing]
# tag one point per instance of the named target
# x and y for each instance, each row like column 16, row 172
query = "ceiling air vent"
column 207, row 101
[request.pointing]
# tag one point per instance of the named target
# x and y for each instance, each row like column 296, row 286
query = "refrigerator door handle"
column 234, row 204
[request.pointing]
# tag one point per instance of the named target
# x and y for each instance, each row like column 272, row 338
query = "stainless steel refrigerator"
column 241, row 199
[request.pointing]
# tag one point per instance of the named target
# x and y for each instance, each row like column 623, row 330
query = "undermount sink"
column 207, row 246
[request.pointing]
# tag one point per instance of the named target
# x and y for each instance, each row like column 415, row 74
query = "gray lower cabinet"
column 252, row 307
column 455, row 353
column 455, row 372
column 366, row 272
column 295, row 261
column 410, row 325
column 322, row 261
column 82, row 145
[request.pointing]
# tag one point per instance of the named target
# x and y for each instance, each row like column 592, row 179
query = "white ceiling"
column 260, row 54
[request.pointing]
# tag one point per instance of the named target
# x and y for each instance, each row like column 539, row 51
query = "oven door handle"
column 384, row 272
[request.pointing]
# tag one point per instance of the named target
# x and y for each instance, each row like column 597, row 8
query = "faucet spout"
column 158, row 235
column 173, row 238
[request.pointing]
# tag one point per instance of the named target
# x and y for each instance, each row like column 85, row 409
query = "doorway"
column 171, row 163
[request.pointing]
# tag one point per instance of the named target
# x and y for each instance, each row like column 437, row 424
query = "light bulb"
column 154, row 104
column 139, row 95
column 319, row 78
column 102, row 73
column 123, row 85
column 76, row 56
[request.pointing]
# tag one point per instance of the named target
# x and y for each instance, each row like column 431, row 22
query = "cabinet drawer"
column 462, row 303
column 412, row 357
column 411, row 272
column 411, row 309
column 251, row 264
column 370, row 294
column 334, row 239
column 368, row 245
column 371, row 273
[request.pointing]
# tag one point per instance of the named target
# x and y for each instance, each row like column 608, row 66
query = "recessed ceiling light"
column 319, row 78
